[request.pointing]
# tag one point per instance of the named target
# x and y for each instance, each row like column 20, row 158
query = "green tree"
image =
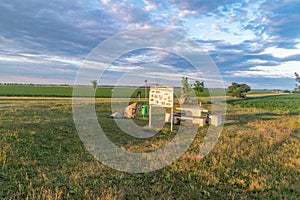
column 94, row 83
column 186, row 87
column 297, row 89
column 239, row 90
column 198, row 87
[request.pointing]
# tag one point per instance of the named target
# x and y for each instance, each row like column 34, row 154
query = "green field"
column 47, row 91
column 102, row 92
column 67, row 91
column 289, row 103
column 257, row 155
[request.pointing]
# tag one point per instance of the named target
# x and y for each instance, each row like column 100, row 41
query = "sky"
column 250, row 41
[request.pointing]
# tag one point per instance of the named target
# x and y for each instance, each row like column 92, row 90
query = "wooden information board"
column 163, row 97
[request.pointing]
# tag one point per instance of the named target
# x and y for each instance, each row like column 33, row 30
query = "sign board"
column 161, row 96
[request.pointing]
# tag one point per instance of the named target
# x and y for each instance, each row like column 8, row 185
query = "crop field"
column 102, row 92
column 288, row 103
column 47, row 91
column 67, row 91
column 257, row 155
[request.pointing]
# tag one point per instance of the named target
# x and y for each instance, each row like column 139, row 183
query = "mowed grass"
column 41, row 156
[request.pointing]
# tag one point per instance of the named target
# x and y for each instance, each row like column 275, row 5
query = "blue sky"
column 250, row 41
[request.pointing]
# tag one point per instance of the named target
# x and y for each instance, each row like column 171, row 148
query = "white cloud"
column 284, row 70
column 123, row 68
column 105, row 2
column 185, row 13
column 281, row 52
column 257, row 61
column 65, row 60
column 141, row 58
column 40, row 59
column 126, row 13
column 150, row 5
column 18, row 59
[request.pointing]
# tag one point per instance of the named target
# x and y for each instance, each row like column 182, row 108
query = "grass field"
column 257, row 155
column 288, row 103
column 46, row 91
column 67, row 91
column 102, row 92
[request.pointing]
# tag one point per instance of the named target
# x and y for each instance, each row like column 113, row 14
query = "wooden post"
column 146, row 89
column 171, row 119
column 150, row 113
